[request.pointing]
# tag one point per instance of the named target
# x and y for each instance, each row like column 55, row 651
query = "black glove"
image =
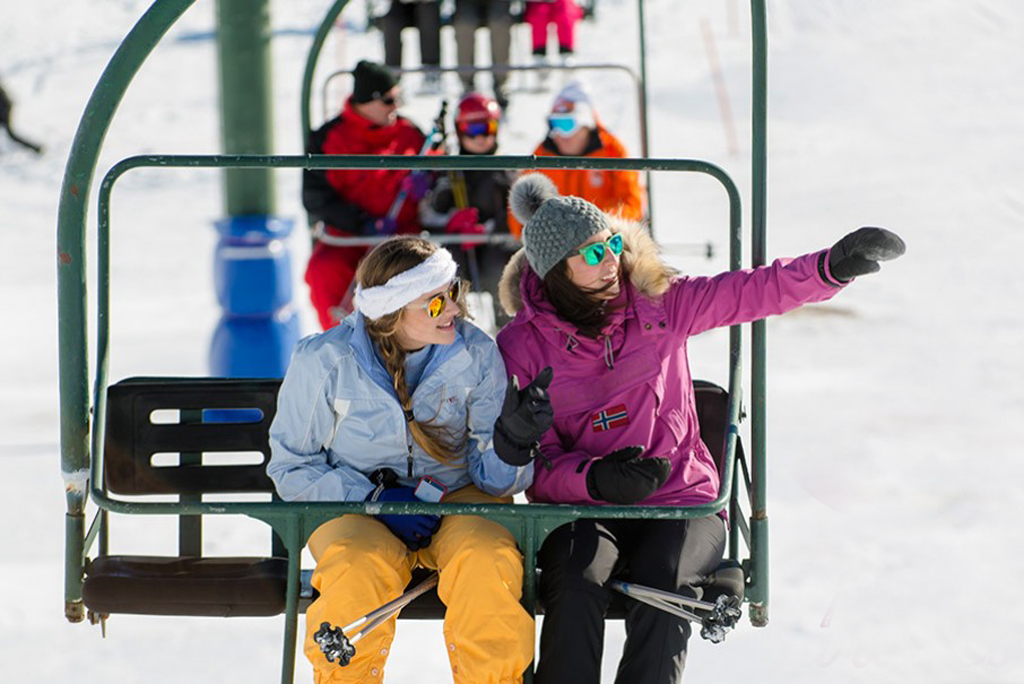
column 859, row 252
column 525, row 417
column 623, row 477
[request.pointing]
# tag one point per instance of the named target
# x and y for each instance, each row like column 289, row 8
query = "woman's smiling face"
column 604, row 275
column 416, row 329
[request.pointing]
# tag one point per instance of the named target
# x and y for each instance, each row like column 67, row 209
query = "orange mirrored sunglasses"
column 436, row 305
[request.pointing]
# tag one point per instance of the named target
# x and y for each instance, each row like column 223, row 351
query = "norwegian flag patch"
column 610, row 418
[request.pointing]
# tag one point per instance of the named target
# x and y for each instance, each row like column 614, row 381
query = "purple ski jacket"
column 632, row 385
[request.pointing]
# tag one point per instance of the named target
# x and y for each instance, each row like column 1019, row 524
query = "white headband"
column 437, row 270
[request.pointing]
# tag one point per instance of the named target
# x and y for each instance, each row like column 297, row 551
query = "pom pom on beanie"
column 553, row 225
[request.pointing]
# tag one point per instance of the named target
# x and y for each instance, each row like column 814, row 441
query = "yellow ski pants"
column 360, row 566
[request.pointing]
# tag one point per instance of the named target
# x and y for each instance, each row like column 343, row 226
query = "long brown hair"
column 387, row 260
column 579, row 306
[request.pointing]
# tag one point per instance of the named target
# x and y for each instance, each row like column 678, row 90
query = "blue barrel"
column 253, row 283
column 252, row 280
column 252, row 271
column 254, row 346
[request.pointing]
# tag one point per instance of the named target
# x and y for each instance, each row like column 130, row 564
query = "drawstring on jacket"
column 609, row 358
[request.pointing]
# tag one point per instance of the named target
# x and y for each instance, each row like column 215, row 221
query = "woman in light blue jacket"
column 401, row 397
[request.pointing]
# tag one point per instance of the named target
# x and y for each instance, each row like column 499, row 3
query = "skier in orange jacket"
column 574, row 131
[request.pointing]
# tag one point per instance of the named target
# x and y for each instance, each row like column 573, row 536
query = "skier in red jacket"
column 359, row 201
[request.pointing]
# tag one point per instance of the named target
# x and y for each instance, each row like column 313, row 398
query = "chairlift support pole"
column 72, row 326
column 757, row 591
column 644, row 141
column 246, row 114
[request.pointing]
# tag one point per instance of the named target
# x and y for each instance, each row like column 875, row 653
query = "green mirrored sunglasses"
column 593, row 253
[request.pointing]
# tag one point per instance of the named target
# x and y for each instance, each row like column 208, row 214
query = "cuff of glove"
column 826, row 273
column 592, row 488
column 375, row 492
column 499, row 429
column 511, row 451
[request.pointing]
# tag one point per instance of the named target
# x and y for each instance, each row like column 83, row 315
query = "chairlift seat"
column 220, row 415
column 186, row 585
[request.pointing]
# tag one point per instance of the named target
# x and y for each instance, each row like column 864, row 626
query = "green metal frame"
column 757, row 6
column 82, row 443
column 637, row 85
column 294, row 522
column 640, row 81
column 461, row 70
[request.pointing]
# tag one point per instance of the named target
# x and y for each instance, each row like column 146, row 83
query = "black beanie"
column 372, row 80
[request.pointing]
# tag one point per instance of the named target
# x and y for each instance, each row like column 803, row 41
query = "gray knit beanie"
column 553, row 225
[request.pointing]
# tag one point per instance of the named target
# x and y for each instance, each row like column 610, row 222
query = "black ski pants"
column 579, row 558
column 426, row 17
column 497, row 17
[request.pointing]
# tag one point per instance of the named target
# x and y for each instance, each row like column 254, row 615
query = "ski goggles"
column 563, row 125
column 475, row 129
column 436, row 305
column 593, row 254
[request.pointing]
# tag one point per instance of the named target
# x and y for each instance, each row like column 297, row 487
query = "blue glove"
column 414, row 530
column 415, row 185
column 381, row 226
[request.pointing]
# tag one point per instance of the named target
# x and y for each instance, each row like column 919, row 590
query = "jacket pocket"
column 676, row 424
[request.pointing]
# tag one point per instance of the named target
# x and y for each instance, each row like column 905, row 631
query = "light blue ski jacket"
column 338, row 417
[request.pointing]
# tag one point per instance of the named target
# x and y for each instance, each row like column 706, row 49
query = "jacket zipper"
column 408, row 441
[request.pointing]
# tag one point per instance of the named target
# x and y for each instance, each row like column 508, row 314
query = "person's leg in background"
column 466, row 20
column 428, row 21
column 538, row 14
column 499, row 23
column 392, row 23
column 565, row 14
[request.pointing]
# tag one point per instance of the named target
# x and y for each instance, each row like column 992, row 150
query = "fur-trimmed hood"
column 641, row 260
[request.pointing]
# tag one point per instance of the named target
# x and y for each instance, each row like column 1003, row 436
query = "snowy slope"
column 894, row 427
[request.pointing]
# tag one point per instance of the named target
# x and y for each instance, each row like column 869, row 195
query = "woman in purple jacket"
column 592, row 300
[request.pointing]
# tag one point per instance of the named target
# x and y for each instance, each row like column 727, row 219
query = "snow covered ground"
column 894, row 411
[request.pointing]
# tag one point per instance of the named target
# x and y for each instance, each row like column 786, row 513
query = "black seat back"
column 214, row 415
column 713, row 416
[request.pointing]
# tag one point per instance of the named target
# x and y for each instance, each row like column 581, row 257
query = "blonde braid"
column 438, row 441
column 389, row 258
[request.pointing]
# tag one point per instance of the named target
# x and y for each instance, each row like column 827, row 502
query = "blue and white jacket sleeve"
column 488, row 472
column 300, row 464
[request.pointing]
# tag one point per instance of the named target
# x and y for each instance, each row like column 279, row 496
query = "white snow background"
column 895, row 491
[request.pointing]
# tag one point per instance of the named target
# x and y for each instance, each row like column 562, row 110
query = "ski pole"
column 721, row 616
column 336, row 645
column 433, row 141
column 461, row 196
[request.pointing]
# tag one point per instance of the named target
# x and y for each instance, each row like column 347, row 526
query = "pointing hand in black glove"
column 623, row 477
column 525, row 417
column 859, row 252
